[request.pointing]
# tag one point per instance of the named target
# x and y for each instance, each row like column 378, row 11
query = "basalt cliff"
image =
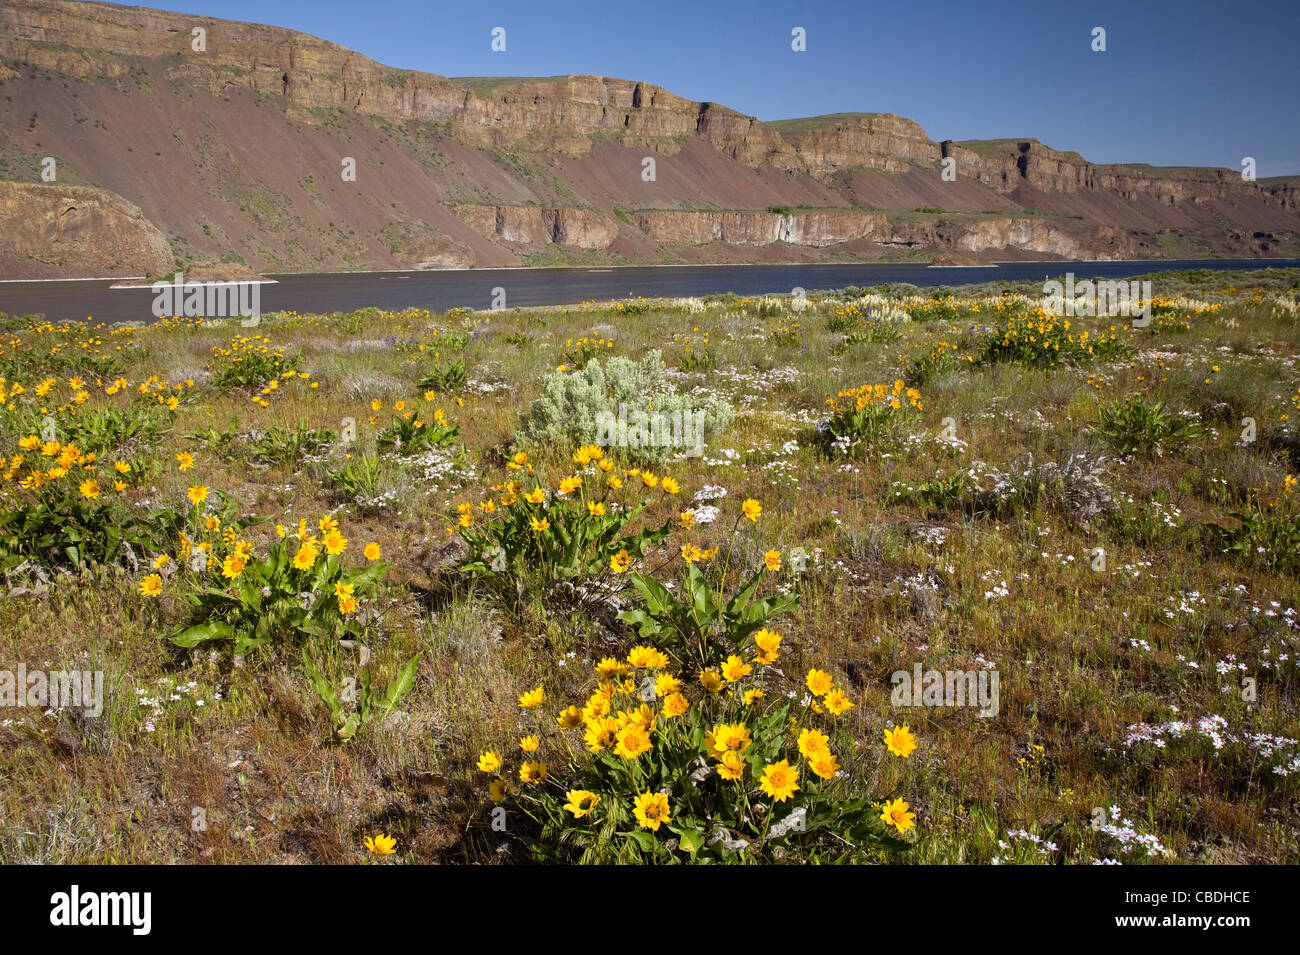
column 271, row 150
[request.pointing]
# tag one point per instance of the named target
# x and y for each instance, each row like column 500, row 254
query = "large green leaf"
column 203, row 632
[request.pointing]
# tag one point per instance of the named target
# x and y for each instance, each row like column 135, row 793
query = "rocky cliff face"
column 478, row 172
column 531, row 225
column 882, row 141
column 758, row 228
column 1005, row 165
column 1023, row 234
column 51, row 231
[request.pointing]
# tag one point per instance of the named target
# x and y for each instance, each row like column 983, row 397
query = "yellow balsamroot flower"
column 819, row 682
column 197, row 494
column 538, row 525
column 381, row 844
column 675, row 705
column 651, row 810
column 335, row 543
column 305, row 558
column 780, row 780
column 772, row 559
column 489, row 762
column 497, row 790
column 376, row 404
column 233, row 566
column 813, row 743
column 89, row 489
column 727, row 738
column 620, row 562
column 615, row 482
column 518, row 461
column 669, row 486
column 151, row 586
column 666, row 684
column 825, row 765
column 633, row 740
column 185, row 461
column 161, row 561
column 372, row 551
column 609, row 667
column 535, row 496
column 532, row 772
column 643, row 715
column 569, row 484
column 751, row 509
column 581, row 802
column 731, row 766
column 122, row 467
column 647, row 658
column 837, row 702
column 752, row 695
column 50, row 448
column 30, row 443
column 768, row 643
column 533, row 698
column 347, row 602
column 687, row 520
column 595, row 508
column 569, row 719
column 900, row 741
column 601, row 733
column 735, row 669
column 711, row 681
column 607, row 465
column 896, row 814
column 691, row 553
column 529, row 744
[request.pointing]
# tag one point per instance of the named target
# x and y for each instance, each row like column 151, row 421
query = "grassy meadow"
column 370, row 588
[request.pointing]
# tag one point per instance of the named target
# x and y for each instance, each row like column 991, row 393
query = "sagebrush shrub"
column 572, row 403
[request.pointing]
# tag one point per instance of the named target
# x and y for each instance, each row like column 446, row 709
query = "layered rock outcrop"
column 758, row 228
column 51, row 231
column 582, row 228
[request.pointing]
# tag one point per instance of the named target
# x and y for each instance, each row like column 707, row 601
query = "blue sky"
column 1191, row 82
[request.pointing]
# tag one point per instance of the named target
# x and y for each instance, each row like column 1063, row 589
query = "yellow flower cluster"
column 860, row 398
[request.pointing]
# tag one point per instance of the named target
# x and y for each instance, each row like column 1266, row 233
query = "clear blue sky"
column 1182, row 82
